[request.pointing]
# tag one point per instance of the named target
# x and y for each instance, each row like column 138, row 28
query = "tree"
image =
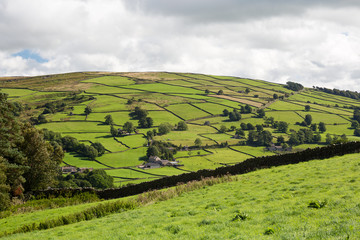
column 145, row 122
column 307, row 108
column 139, row 113
column 99, row 147
column 275, row 96
column 149, row 135
column 165, row 128
column 128, row 127
column 220, row 92
column 234, row 115
column 240, row 132
column 182, row 126
column 207, row 91
column 313, row 127
column 294, row 86
column 357, row 132
column 88, row 110
column 198, row 142
column 99, row 179
column 109, row 120
column 222, row 129
column 261, row 113
column 294, row 139
column 243, row 126
column 113, row 131
column 153, row 150
column 225, row 112
column 329, row 139
column 308, row 119
column 280, row 140
column 282, row 126
column 322, row 127
column 249, row 126
column 41, row 119
column 354, row 124
column 264, row 138
column 259, row 128
column 247, row 90
column 90, row 152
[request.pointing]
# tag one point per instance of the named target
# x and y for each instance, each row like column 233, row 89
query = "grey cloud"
column 233, row 10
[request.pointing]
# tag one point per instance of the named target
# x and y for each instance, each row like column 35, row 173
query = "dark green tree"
column 354, row 124
column 220, row 92
column 109, row 120
column 128, row 127
column 307, row 108
column 225, row 112
column 99, row 147
column 164, row 128
column 198, row 142
column 322, row 127
column 260, row 113
column 182, row 126
column 222, row 129
column 282, row 126
column 88, row 110
column 308, row 119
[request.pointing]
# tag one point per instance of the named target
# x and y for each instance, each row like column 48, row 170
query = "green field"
column 276, row 199
column 172, row 97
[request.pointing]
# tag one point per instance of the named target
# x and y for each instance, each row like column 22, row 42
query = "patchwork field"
column 171, row 98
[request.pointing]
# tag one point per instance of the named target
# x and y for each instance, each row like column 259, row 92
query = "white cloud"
column 312, row 42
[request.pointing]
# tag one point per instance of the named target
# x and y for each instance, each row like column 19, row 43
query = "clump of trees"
column 164, row 150
column 165, row 128
column 259, row 138
column 304, row 135
column 344, row 93
column 235, row 115
column 142, row 116
column 97, row 179
column 294, row 86
column 71, row 144
column 181, row 126
column 27, row 161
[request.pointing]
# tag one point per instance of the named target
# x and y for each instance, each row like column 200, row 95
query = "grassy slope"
column 276, row 198
column 171, row 97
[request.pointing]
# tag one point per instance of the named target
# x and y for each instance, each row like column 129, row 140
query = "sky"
column 313, row 42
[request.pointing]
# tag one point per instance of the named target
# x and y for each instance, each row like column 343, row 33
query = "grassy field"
column 266, row 204
column 171, row 97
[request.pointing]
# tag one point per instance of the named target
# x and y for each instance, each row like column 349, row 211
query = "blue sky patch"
column 28, row 54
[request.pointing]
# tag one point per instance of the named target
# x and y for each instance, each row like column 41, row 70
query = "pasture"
column 172, row 97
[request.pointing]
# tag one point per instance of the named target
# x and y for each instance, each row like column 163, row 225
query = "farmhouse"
column 156, row 162
column 273, row 147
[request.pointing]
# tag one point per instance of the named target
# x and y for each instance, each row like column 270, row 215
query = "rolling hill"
column 171, row 98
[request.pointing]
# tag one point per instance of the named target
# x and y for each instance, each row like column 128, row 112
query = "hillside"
column 58, row 103
column 303, row 201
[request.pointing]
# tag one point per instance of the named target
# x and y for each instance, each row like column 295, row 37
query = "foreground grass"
column 272, row 201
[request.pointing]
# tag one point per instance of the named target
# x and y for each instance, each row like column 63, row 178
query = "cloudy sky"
column 314, row 42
